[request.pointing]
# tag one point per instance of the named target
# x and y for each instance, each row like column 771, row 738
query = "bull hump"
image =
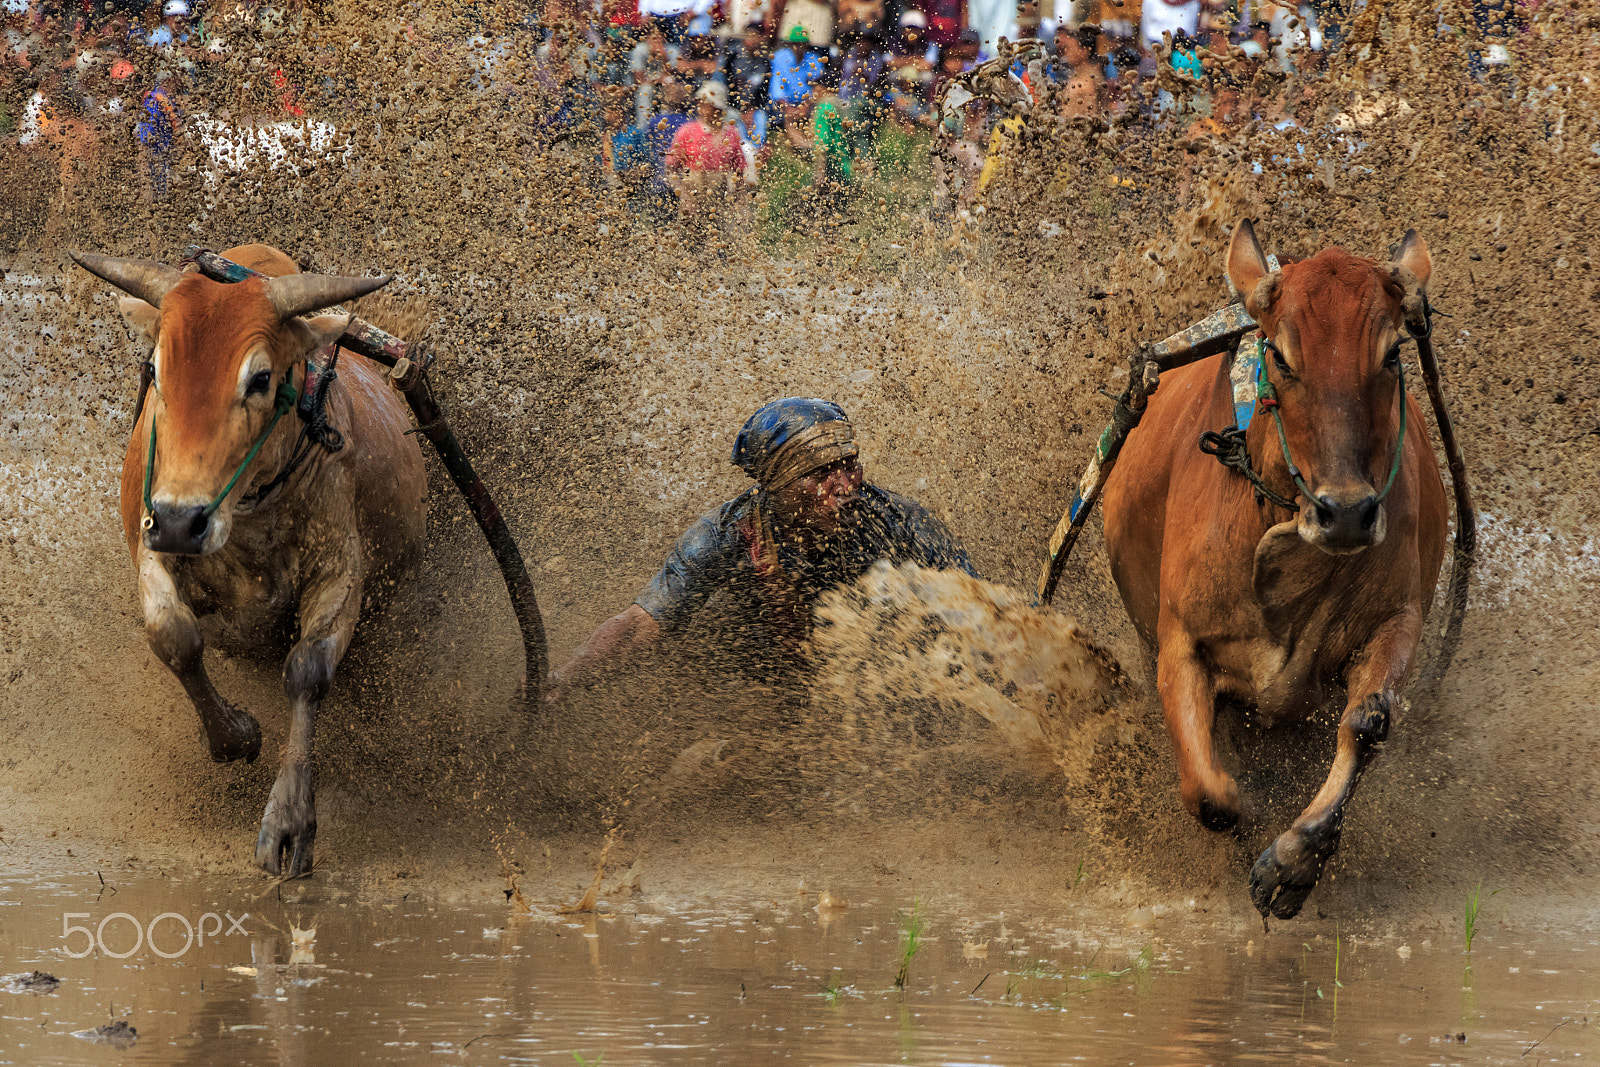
column 262, row 258
column 201, row 296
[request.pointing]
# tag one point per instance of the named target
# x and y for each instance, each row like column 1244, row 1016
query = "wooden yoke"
column 1218, row 332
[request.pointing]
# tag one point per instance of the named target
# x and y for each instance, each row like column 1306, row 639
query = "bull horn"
column 144, row 278
column 296, row 294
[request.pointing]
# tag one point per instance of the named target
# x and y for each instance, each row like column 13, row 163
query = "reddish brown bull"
column 215, row 529
column 1279, row 606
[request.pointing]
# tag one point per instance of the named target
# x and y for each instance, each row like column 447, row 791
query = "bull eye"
column 1278, row 360
column 260, row 382
column 1391, row 358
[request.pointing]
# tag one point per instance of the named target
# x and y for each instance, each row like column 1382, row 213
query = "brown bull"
column 1281, row 604
column 213, row 525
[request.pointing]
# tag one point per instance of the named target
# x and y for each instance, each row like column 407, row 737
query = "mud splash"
column 904, row 634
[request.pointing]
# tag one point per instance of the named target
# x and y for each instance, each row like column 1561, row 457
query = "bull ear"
column 1248, row 270
column 1246, row 263
column 296, row 294
column 144, row 278
column 1411, row 267
column 1413, row 255
column 143, row 317
column 312, row 334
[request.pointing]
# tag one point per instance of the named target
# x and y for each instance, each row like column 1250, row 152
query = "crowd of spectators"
column 661, row 93
column 68, row 65
column 681, row 104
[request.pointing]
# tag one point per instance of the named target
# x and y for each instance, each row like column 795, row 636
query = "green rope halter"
column 287, row 397
column 1267, row 395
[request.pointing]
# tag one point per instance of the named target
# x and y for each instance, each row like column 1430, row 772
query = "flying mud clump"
column 956, row 643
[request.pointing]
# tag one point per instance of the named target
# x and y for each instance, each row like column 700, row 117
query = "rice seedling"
column 1475, row 902
column 1092, row 973
column 913, row 928
column 1146, row 957
column 1040, row 969
column 833, row 987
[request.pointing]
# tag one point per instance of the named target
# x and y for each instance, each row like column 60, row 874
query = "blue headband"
column 791, row 437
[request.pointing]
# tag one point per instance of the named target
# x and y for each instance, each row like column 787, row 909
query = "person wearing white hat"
column 1168, row 16
column 24, row 38
column 174, row 28
column 910, row 62
column 706, row 158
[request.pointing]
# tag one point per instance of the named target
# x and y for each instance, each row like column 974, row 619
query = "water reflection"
column 649, row 983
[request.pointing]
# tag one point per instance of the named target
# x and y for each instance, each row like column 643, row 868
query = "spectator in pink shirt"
column 706, row 159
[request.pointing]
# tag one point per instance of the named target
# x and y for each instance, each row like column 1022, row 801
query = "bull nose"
column 1348, row 522
column 179, row 528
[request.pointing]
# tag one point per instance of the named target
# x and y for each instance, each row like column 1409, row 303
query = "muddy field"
column 597, row 373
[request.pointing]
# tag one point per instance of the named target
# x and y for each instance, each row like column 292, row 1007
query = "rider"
column 810, row 524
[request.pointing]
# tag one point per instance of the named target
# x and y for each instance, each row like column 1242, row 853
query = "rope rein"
column 1230, row 449
column 316, row 431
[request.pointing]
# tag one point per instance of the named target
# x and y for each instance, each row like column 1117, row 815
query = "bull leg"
column 1288, row 870
column 289, row 824
column 231, row 733
column 1188, row 702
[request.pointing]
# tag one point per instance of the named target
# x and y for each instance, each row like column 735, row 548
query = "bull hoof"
column 1214, row 816
column 288, row 826
column 1216, row 807
column 1286, row 873
column 238, row 738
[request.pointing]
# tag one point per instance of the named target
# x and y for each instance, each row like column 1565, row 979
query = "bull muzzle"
column 1343, row 523
column 180, row 529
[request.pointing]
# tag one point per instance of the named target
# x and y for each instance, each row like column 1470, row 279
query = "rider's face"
column 816, row 500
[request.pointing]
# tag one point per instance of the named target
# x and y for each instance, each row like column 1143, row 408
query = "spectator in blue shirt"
column 629, row 161
column 158, row 122
column 749, row 70
column 663, row 128
column 1185, row 57
column 861, row 92
column 795, row 69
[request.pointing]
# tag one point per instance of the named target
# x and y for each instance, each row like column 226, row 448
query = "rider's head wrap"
column 789, row 438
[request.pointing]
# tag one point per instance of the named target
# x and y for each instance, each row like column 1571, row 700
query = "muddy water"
column 317, row 980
